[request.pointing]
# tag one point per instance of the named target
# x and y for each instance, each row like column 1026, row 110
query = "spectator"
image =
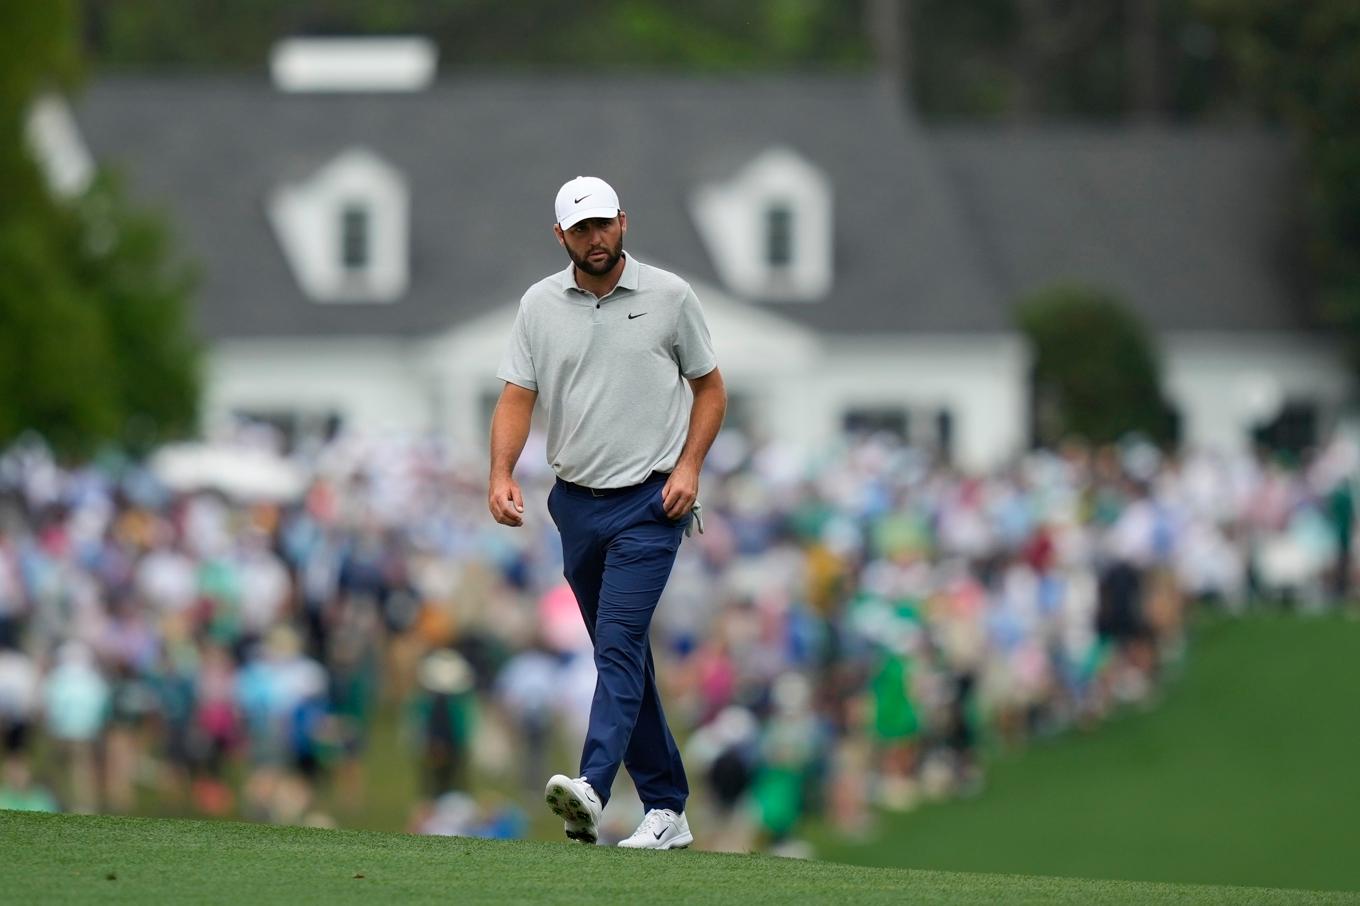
column 193, row 638
column 444, row 715
column 76, row 700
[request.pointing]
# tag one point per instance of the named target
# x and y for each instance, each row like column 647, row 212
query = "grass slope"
column 1247, row 773
column 74, row 859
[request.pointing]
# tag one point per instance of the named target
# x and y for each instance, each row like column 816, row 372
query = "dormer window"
column 354, row 220
column 344, row 229
column 779, row 235
column 769, row 228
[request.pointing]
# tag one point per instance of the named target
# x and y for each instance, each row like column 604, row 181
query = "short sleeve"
column 693, row 345
column 517, row 367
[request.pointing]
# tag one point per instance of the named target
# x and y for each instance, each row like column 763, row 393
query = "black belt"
column 610, row 492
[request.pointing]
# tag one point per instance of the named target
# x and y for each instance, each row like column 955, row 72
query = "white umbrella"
column 242, row 473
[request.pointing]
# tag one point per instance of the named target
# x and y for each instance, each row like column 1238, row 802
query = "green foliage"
column 54, row 350
column 589, row 36
column 963, row 55
column 1061, row 57
column 33, row 33
column 126, row 264
column 93, row 341
column 1301, row 62
column 1096, row 372
column 1019, row 57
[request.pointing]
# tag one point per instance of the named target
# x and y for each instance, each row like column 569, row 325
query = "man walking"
column 609, row 345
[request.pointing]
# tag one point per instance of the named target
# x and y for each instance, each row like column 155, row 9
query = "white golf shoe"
column 660, row 829
column 575, row 802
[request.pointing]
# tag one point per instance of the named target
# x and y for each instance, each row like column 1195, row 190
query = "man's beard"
column 597, row 270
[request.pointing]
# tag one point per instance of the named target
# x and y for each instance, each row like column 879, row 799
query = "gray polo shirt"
column 608, row 372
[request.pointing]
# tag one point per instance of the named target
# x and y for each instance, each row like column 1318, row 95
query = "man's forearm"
column 705, row 419
column 509, row 432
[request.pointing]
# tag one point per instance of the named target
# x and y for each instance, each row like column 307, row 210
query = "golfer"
column 614, row 349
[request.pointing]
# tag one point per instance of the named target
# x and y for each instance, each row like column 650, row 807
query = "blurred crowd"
column 855, row 628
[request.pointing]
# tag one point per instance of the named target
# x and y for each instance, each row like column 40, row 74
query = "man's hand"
column 505, row 502
column 680, row 492
column 705, row 418
column 509, row 431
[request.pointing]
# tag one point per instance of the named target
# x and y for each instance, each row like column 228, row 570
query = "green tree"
column 1301, row 62
column 989, row 57
column 126, row 264
column 1026, row 58
column 55, row 356
column 93, row 341
column 587, row 36
column 1096, row 373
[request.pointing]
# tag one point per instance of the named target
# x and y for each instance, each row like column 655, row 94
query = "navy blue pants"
column 617, row 553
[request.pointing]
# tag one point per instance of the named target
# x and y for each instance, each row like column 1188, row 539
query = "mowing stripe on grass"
column 1248, row 772
column 78, row 859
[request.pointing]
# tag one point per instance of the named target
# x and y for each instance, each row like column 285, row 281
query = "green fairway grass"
column 77, row 859
column 1248, row 772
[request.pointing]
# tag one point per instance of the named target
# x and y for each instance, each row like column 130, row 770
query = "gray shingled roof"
column 1198, row 229
column 935, row 231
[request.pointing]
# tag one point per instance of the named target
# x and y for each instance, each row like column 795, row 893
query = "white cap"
column 585, row 197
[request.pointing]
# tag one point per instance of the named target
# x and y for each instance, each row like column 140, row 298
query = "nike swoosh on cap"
column 582, row 198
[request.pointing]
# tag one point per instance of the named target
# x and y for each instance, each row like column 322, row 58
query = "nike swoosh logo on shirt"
column 638, row 315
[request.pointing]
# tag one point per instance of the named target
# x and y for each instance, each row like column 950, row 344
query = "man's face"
column 594, row 245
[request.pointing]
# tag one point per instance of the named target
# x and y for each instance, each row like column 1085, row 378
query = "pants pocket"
column 552, row 510
column 659, row 501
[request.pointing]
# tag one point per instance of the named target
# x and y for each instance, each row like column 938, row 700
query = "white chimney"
column 55, row 141
column 353, row 64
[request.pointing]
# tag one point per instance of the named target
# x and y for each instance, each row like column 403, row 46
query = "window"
column 295, row 428
column 779, row 235
column 345, row 229
column 893, row 420
column 740, row 412
column 1293, row 430
column 944, row 435
column 927, row 428
column 354, row 237
column 770, row 227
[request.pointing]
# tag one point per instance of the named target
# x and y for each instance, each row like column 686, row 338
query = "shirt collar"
column 567, row 279
column 627, row 280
